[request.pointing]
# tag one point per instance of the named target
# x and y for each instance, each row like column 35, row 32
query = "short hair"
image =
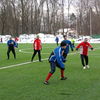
column 10, row 38
column 64, row 36
column 37, row 36
column 62, row 44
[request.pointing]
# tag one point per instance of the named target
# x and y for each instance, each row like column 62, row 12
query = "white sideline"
column 21, row 64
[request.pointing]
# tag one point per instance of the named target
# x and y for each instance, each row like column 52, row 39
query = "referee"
column 11, row 47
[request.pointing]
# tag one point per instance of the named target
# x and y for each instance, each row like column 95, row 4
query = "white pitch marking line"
column 20, row 64
column 30, row 52
column 25, row 63
column 29, row 62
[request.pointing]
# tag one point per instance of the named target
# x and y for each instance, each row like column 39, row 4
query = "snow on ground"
column 47, row 38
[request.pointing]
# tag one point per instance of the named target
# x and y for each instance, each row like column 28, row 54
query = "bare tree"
column 34, row 16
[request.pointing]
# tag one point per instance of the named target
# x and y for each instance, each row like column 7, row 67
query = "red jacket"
column 84, row 48
column 16, row 39
column 37, row 44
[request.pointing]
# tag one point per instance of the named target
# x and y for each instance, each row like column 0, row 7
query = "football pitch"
column 22, row 80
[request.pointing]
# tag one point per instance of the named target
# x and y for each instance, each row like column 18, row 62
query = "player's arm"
column 40, row 44
column 78, row 46
column 71, row 46
column 15, row 44
column 90, row 46
column 8, row 43
column 63, row 59
column 34, row 44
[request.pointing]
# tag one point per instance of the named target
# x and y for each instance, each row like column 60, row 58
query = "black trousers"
column 84, row 59
column 57, row 43
column 13, row 51
column 39, row 55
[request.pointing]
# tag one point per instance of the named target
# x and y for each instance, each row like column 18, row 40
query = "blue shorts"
column 53, row 66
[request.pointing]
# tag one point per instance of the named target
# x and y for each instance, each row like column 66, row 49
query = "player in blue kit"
column 68, row 45
column 57, row 40
column 11, row 47
column 56, row 59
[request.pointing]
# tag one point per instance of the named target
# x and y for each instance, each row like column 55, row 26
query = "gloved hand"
column 92, row 48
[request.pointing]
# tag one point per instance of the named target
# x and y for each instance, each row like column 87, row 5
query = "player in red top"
column 37, row 48
column 84, row 52
column 16, row 40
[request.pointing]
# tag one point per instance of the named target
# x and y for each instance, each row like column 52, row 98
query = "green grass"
column 25, row 82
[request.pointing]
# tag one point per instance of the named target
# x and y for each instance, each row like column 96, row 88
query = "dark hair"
column 62, row 44
column 64, row 36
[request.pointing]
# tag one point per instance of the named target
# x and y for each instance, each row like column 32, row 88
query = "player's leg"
column 86, row 60
column 73, row 45
column 39, row 55
column 57, row 43
column 8, row 52
column 35, row 52
column 53, row 68
column 61, row 71
column 13, row 51
column 82, row 61
column 62, row 74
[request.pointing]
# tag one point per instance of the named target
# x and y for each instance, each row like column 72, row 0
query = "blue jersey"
column 69, row 44
column 56, row 56
column 57, row 39
column 11, row 43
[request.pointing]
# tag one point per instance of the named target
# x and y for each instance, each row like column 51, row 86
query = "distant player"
column 68, row 45
column 84, row 52
column 16, row 40
column 11, row 47
column 56, row 59
column 57, row 40
column 1, row 40
column 73, row 43
column 37, row 46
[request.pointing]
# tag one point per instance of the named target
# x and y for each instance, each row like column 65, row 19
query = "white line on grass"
column 20, row 64
column 10, row 66
column 22, row 50
column 31, row 62
column 30, row 52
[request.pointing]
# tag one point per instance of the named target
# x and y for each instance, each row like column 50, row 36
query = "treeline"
column 88, row 16
column 47, row 16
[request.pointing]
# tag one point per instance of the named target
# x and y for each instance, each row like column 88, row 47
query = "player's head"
column 10, row 38
column 65, row 37
column 86, row 39
column 63, row 44
column 37, row 36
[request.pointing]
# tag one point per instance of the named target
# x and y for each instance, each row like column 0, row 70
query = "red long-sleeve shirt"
column 84, row 48
column 37, row 44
